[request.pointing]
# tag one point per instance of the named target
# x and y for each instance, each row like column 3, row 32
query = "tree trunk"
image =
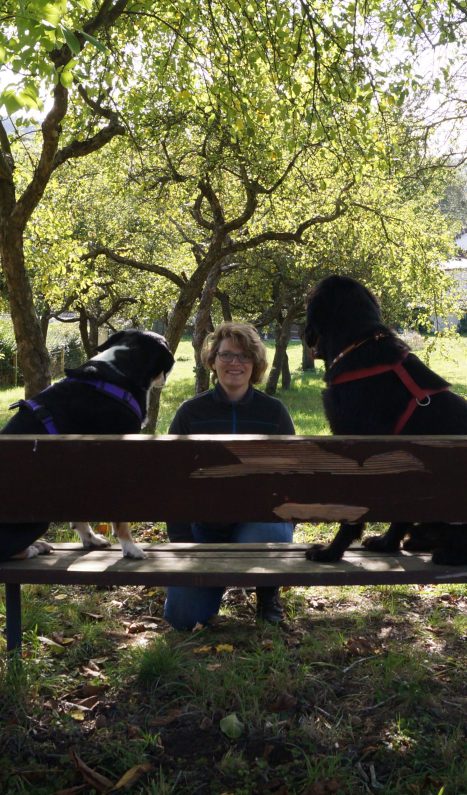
column 44, row 321
column 224, row 301
column 308, row 361
column 176, row 324
column 203, row 325
column 93, row 334
column 33, row 356
column 286, row 378
column 84, row 332
column 282, row 339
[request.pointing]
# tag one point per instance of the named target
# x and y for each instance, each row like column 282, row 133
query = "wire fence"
column 60, row 358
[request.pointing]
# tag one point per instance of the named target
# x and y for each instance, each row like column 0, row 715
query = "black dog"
column 376, row 386
column 108, row 394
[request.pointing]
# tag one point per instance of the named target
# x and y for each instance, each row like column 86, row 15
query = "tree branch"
column 96, row 251
column 289, row 237
column 50, row 136
column 82, row 148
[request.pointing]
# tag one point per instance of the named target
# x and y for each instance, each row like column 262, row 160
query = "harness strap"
column 112, row 390
column 40, row 412
column 420, row 395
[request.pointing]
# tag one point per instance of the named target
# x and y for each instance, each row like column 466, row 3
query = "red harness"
column 420, row 395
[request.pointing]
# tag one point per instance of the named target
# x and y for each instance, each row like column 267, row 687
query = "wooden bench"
column 227, row 478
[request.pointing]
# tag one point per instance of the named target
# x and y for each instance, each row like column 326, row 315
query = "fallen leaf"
column 224, row 648
column 164, row 720
column 92, row 777
column 213, row 666
column 133, row 775
column 54, row 647
column 359, row 646
column 197, row 627
column 202, row 650
column 90, row 702
column 93, row 690
column 231, row 726
column 92, row 673
column 76, row 714
column 136, row 627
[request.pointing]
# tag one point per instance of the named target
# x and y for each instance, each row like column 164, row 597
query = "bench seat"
column 225, row 564
column 227, row 479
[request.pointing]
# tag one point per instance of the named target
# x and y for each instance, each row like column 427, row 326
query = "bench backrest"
column 229, row 478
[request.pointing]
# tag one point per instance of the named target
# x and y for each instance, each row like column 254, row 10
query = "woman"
column 237, row 357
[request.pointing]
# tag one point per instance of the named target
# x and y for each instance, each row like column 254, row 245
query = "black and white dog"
column 374, row 385
column 109, row 394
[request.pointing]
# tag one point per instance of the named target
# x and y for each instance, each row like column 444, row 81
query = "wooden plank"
column 143, row 478
column 225, row 564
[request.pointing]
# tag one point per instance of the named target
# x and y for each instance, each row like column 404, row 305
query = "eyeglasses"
column 228, row 357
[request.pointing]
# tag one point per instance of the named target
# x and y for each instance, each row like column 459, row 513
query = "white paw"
column 38, row 548
column 132, row 550
column 90, row 539
column 96, row 540
column 30, row 552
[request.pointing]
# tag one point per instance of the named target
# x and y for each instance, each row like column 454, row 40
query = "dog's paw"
column 132, row 550
column 90, row 539
column 96, row 541
column 322, row 553
column 38, row 548
column 380, row 544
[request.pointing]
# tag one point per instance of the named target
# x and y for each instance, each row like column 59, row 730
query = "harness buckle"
column 424, row 401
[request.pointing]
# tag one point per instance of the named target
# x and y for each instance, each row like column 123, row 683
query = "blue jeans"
column 186, row 606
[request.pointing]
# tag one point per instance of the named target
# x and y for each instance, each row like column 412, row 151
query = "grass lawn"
column 362, row 692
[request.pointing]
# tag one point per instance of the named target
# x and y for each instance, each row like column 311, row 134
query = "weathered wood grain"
column 225, row 564
column 229, row 478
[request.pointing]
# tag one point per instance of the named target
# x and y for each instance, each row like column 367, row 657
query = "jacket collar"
column 220, row 396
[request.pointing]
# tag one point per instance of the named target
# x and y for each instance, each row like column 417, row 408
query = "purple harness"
column 102, row 386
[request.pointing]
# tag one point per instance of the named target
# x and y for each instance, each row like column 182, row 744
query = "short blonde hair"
column 246, row 337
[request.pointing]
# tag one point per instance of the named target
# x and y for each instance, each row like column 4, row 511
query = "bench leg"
column 13, row 616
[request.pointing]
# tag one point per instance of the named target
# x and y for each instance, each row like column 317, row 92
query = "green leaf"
column 95, row 42
column 66, row 78
column 71, row 40
column 27, row 98
column 49, row 12
column 231, row 726
column 9, row 99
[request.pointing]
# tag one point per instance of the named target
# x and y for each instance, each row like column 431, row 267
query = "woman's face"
column 234, row 368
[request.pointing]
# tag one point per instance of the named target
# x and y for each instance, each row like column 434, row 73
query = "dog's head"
column 142, row 356
column 338, row 304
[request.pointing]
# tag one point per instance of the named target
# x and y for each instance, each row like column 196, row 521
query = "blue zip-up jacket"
column 213, row 413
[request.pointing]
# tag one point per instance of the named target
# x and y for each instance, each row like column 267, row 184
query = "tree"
column 50, row 44
column 234, row 110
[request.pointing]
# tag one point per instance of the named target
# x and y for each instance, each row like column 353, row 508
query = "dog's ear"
column 372, row 297
column 114, row 339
